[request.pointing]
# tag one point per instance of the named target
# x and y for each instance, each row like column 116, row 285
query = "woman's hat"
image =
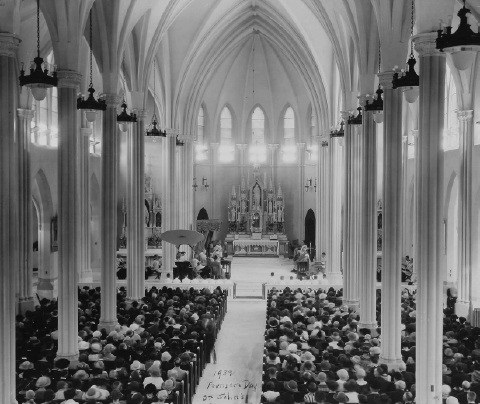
column 43, row 381
column 291, row 386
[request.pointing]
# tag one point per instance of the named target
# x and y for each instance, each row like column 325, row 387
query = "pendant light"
column 38, row 80
column 356, row 120
column 179, row 142
column 462, row 44
column 340, row 132
column 377, row 104
column 153, row 130
column 125, row 119
column 91, row 105
column 409, row 82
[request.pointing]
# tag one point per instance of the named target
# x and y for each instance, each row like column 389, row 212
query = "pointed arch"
column 201, row 124
column 226, row 123
column 310, row 227
column 258, row 122
column 43, row 195
column 202, row 214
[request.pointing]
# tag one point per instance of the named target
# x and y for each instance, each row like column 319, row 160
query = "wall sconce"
column 195, row 185
column 205, row 184
column 309, row 185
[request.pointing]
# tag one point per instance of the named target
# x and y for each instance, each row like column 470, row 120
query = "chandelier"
column 409, row 81
column 125, row 119
column 377, row 104
column 461, row 44
column 355, row 120
column 38, row 80
column 91, row 105
column 338, row 132
column 153, row 130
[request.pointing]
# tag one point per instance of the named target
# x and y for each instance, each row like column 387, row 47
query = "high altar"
column 256, row 219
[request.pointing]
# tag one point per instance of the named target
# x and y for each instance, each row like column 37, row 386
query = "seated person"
column 303, row 257
column 217, row 270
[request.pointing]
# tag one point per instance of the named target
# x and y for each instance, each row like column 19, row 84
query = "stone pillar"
column 110, row 156
column 136, row 209
column 465, row 217
column 367, row 242
column 429, row 232
column 9, row 246
column 322, row 200
column 25, row 296
column 84, row 201
column 392, row 223
column 301, row 191
column 189, row 159
column 69, row 227
column 242, row 147
column 352, row 213
column 406, row 242
column 334, row 258
column 169, row 195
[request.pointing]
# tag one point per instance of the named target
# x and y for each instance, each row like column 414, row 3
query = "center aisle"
column 239, row 349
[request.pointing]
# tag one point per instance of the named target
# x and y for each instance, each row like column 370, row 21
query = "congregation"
column 156, row 353
column 315, row 352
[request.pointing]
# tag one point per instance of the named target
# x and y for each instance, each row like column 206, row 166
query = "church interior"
column 240, row 201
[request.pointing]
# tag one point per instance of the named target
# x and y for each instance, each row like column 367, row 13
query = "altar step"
column 248, row 290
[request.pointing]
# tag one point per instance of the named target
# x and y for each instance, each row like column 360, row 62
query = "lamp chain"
column 38, row 28
column 91, row 51
column 411, row 27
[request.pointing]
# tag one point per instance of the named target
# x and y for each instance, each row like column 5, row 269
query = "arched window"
column 289, row 148
column 258, row 150
column 451, row 140
column 45, row 124
column 226, row 151
column 200, row 148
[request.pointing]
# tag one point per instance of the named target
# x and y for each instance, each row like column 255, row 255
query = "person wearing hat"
column 155, row 377
column 341, row 398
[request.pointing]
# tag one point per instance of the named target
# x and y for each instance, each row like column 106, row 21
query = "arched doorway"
column 202, row 214
column 310, row 232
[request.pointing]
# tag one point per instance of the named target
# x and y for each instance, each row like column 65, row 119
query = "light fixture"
column 356, row 120
column 309, row 185
column 205, row 184
column 38, row 80
column 409, row 82
column 153, row 130
column 338, row 132
column 179, row 142
column 462, row 44
column 91, row 105
column 376, row 106
column 195, row 185
column 124, row 119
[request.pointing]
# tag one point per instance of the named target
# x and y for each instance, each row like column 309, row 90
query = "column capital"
column 141, row 114
column 425, row 44
column 322, row 140
column 405, row 139
column 465, row 115
column 171, row 132
column 301, row 145
column 69, row 79
column 86, row 131
column 362, row 98
column 385, row 79
column 345, row 115
column 25, row 113
column 241, row 146
column 111, row 99
column 9, row 44
column 273, row 146
column 414, row 135
column 185, row 138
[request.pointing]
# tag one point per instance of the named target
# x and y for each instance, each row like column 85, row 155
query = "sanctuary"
column 256, row 217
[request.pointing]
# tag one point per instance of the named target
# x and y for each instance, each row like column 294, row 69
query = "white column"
column 189, row 158
column 465, row 217
column 322, row 200
column 169, row 195
column 136, row 209
column 406, row 242
column 84, row 200
column 301, row 191
column 392, row 223
column 69, row 218
column 9, row 248
column 110, row 155
column 353, row 213
column 334, row 257
column 367, row 242
column 25, row 296
column 429, row 210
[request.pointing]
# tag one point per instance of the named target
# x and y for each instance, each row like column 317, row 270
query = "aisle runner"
column 239, row 349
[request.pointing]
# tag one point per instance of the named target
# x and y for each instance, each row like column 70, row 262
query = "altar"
column 247, row 247
column 256, row 219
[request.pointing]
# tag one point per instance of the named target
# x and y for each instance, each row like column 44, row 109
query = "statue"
column 232, row 214
column 256, row 196
column 280, row 214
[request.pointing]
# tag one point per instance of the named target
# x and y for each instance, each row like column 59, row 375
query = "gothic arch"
column 202, row 214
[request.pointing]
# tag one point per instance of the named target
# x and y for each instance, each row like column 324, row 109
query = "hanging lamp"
column 153, row 130
column 338, row 132
column 356, row 120
column 125, row 119
column 91, row 105
column 409, row 82
column 461, row 44
column 377, row 104
column 179, row 142
column 38, row 80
